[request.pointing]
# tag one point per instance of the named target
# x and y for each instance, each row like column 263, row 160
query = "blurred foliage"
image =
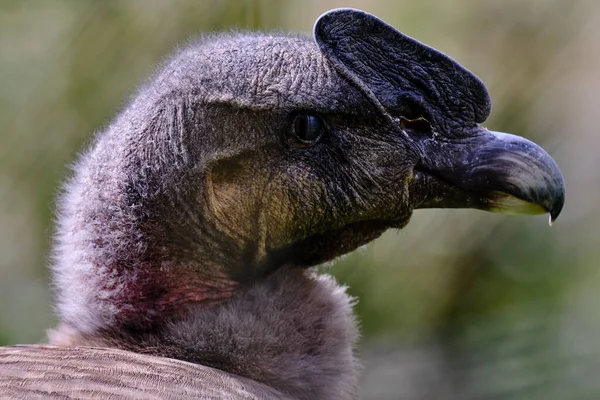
column 459, row 304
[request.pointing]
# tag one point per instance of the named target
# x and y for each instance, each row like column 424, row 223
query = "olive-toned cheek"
column 297, row 206
column 235, row 191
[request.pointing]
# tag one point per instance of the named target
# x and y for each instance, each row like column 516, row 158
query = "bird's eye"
column 306, row 130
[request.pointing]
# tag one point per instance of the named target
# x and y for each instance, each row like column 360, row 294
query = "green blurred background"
column 459, row 304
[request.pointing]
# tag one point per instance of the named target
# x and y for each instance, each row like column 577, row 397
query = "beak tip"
column 557, row 205
column 555, row 212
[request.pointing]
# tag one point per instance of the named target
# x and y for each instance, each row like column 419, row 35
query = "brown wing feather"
column 30, row 372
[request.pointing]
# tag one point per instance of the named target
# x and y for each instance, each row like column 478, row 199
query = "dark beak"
column 492, row 171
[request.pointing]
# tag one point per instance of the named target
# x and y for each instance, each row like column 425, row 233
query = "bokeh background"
column 460, row 304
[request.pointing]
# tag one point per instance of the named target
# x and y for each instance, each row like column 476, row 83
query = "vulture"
column 186, row 235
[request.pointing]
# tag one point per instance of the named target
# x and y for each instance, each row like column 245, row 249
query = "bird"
column 187, row 234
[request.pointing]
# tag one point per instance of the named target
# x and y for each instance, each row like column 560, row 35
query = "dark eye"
column 306, row 130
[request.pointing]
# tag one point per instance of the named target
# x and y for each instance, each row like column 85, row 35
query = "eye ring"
column 306, row 130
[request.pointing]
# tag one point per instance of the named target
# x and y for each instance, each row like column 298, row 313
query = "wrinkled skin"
column 313, row 204
column 199, row 189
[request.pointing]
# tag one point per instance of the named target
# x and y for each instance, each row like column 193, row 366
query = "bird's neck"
column 149, row 274
column 164, row 291
column 292, row 330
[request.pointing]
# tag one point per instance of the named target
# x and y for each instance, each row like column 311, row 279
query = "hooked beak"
column 492, row 171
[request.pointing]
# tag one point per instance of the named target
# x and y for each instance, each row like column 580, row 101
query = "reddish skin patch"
column 160, row 295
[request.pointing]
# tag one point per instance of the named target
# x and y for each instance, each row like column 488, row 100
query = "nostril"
column 420, row 125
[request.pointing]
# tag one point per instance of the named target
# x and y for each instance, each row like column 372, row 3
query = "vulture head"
column 189, row 228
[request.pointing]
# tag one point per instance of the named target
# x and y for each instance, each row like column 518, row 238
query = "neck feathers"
column 293, row 330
